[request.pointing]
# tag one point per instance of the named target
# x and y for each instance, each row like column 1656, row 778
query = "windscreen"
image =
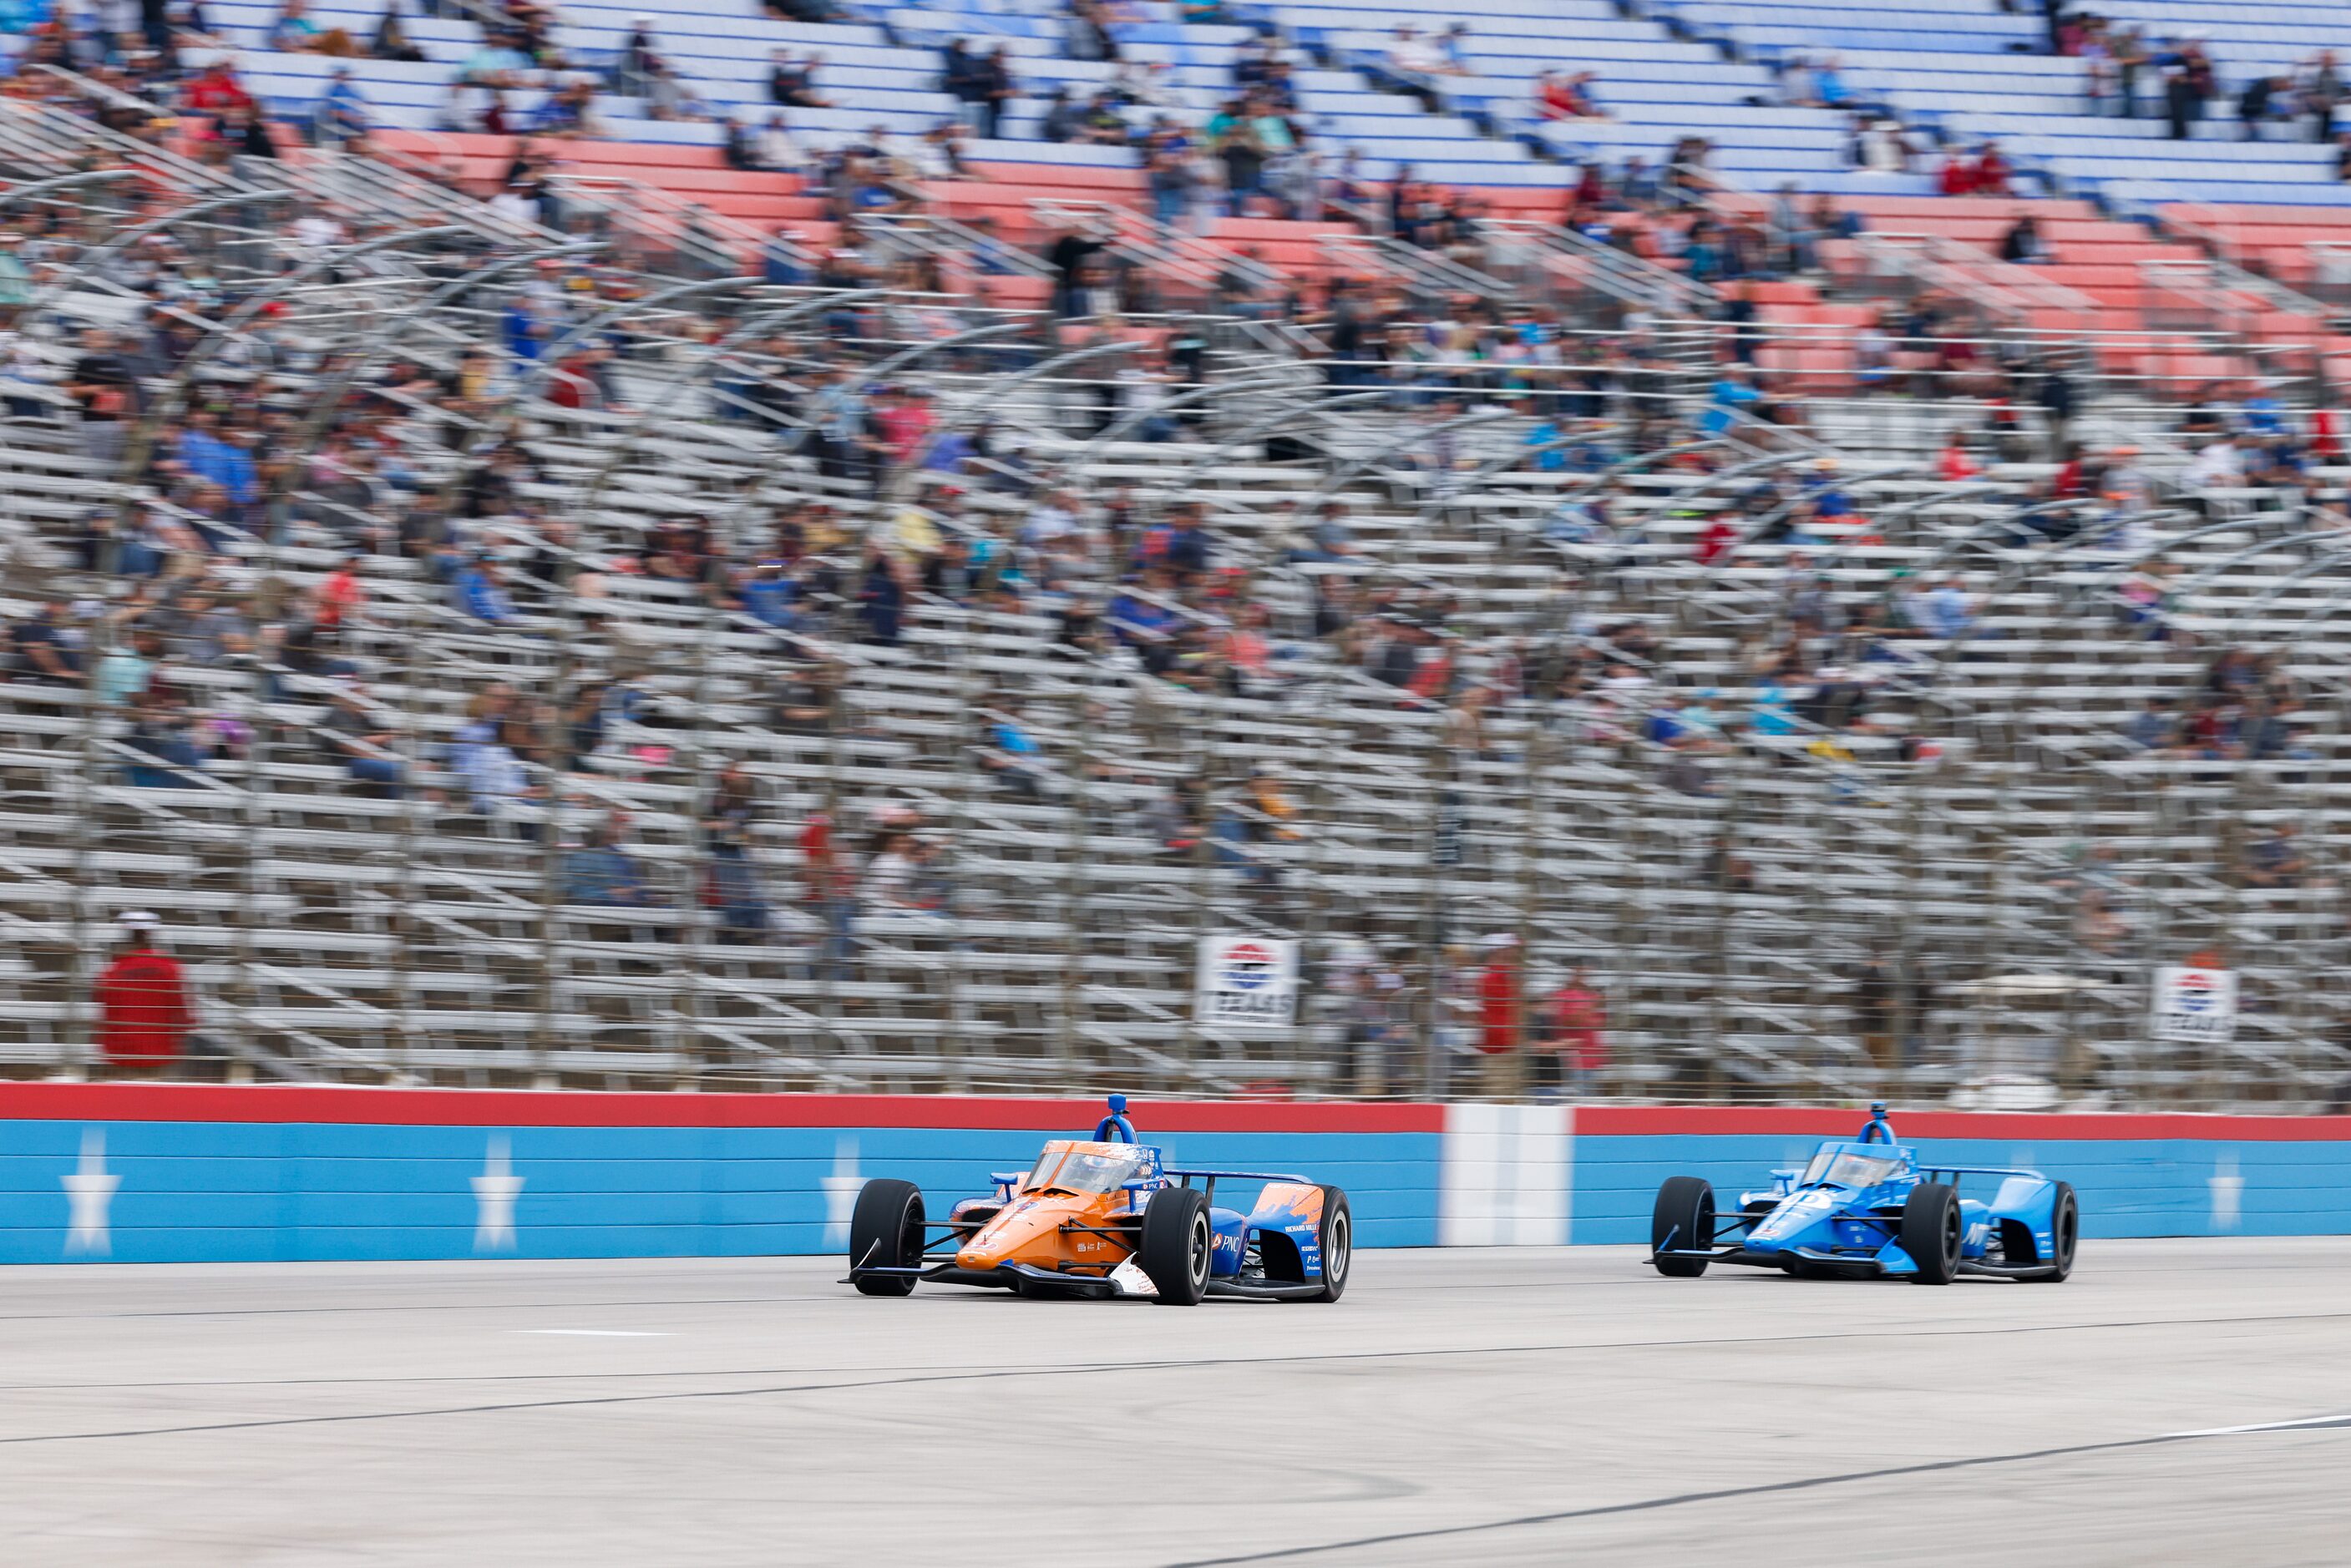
column 1082, row 1170
column 1842, row 1167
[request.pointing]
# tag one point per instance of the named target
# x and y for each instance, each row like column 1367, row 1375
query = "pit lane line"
column 1080, row 1370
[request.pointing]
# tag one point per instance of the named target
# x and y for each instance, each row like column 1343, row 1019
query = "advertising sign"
column 1245, row 983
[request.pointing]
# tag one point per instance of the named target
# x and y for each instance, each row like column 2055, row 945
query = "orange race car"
column 1104, row 1217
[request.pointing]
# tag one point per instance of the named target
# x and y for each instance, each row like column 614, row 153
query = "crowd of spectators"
column 925, row 510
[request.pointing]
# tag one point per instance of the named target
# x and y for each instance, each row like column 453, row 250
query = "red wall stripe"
column 1686, row 1121
column 523, row 1107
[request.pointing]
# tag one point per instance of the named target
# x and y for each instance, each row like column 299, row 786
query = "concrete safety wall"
column 171, row 1173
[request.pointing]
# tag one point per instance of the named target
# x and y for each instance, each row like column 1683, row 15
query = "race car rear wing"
column 1212, row 1176
column 1238, row 1176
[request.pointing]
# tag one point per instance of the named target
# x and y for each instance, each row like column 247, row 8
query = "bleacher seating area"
column 1790, row 680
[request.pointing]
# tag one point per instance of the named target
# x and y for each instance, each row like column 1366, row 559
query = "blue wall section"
column 219, row 1191
column 211, row 1191
column 2128, row 1186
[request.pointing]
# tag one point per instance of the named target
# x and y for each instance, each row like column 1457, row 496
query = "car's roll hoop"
column 1115, row 1127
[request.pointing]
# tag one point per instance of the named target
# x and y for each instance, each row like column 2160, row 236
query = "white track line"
column 2304, row 1424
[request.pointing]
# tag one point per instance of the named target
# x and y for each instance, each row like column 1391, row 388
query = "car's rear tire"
column 1337, row 1240
column 1176, row 1244
column 1932, row 1232
column 1683, row 1218
column 2065, row 1235
column 886, row 1230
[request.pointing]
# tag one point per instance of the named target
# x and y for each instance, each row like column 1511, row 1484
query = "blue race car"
column 1869, row 1208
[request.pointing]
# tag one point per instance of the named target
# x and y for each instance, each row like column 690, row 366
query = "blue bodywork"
column 1842, row 1213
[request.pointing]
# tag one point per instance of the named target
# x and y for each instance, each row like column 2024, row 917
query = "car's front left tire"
column 2065, row 1235
column 1337, row 1241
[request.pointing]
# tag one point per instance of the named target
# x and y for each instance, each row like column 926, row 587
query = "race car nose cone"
column 1793, row 1215
column 1004, row 1236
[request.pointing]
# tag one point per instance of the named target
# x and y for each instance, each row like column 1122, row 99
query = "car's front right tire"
column 885, row 1231
column 1683, row 1218
column 1176, row 1244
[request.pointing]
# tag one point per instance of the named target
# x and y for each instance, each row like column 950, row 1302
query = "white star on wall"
column 89, row 1192
column 840, row 1192
column 494, row 1191
column 2228, row 1190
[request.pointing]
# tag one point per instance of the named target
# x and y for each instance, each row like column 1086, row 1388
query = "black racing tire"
column 2064, row 1236
column 1932, row 1232
column 1337, row 1240
column 1684, row 1216
column 1177, row 1245
column 885, row 1229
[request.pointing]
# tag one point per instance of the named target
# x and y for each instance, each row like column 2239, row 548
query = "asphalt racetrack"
column 1490, row 1406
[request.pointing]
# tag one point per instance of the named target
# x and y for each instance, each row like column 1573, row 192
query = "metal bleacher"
column 1987, row 833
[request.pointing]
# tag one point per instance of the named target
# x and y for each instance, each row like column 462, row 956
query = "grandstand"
column 1773, row 640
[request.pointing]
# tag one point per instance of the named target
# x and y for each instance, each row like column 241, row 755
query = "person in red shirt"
column 1952, row 464
column 1717, row 540
column 340, row 596
column 1578, row 1014
column 1499, row 1018
column 905, row 421
column 215, row 91
column 142, row 1004
column 830, row 887
column 1991, row 172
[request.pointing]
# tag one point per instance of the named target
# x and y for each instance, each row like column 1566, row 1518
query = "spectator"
column 1499, row 1011
column 1089, row 36
column 1951, row 611
column 1732, row 396
column 391, row 41
column 2154, row 728
column 599, row 872
column 995, row 88
column 341, row 120
column 1873, row 1011
column 38, row 650
column 1577, row 1048
column 293, row 31
column 2021, row 244
column 143, row 1006
column 887, row 892
column 1417, row 63
column 1014, row 755
column 727, row 825
column 830, row 889
column 962, row 78
column 2321, row 90
column 2276, row 860
column 356, row 738
column 481, row 592
column 495, row 781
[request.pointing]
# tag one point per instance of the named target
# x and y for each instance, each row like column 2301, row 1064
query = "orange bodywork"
column 1037, row 1226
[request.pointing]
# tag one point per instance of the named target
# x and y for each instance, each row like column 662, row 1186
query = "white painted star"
column 89, row 1191
column 494, row 1191
column 2228, row 1193
column 840, row 1192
